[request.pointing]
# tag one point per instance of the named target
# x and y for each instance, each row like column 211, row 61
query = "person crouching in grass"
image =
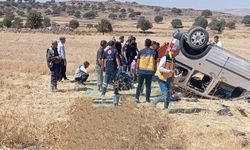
column 81, row 74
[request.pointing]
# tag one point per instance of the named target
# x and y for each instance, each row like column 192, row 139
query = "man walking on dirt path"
column 146, row 61
column 112, row 67
column 165, row 74
column 63, row 63
column 98, row 67
column 53, row 61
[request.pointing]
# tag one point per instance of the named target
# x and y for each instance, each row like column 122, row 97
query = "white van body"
column 225, row 71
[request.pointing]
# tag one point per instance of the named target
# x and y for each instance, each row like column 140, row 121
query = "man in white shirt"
column 217, row 41
column 165, row 73
column 62, row 54
column 81, row 74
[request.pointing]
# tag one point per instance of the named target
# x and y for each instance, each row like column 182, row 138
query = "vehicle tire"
column 197, row 38
column 192, row 53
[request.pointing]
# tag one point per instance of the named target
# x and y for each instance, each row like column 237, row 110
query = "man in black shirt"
column 98, row 69
column 127, row 57
column 111, row 63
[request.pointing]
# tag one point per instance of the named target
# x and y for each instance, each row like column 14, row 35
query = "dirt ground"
column 34, row 118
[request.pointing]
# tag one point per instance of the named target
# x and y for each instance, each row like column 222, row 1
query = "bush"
column 131, row 10
column 123, row 10
column 56, row 11
column 217, row 25
column 89, row 26
column 1, row 24
column 112, row 16
column 7, row 22
column 71, row 12
column 138, row 13
column 246, row 20
column 48, row 12
column 104, row 26
column 122, row 16
column 74, row 24
column 10, row 16
column 132, row 15
column 206, row 13
column 157, row 10
column 201, row 21
column 158, row 19
column 77, row 14
column 144, row 24
column 231, row 25
column 176, row 23
column 34, row 20
column 17, row 23
column 1, row 13
column 20, row 13
column 90, row 15
column 46, row 22
column 176, row 11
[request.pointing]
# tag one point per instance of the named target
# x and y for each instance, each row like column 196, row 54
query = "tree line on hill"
column 35, row 19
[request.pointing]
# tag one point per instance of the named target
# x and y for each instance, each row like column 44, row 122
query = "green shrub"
column 90, row 15
column 74, row 24
column 104, row 26
column 206, row 13
column 246, row 20
column 144, row 24
column 201, row 21
column 34, row 20
column 158, row 19
column 176, row 23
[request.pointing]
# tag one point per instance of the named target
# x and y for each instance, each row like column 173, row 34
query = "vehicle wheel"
column 192, row 53
column 197, row 38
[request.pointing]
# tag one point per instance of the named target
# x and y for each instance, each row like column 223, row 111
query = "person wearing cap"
column 98, row 69
column 63, row 63
column 53, row 62
column 111, row 62
column 146, row 63
column 165, row 74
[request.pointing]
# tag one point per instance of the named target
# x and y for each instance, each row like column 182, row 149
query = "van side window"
column 199, row 81
column 224, row 90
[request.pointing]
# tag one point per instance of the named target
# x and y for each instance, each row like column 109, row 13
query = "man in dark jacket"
column 53, row 61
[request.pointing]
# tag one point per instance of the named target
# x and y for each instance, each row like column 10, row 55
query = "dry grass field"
column 31, row 117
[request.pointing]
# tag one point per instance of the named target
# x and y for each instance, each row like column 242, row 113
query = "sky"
column 195, row 4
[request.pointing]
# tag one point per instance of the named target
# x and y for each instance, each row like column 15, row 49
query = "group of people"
column 114, row 57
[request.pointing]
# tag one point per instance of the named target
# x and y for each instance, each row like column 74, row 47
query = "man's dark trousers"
column 148, row 81
column 54, row 75
column 62, row 71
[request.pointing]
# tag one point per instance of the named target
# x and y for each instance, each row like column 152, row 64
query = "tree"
column 158, row 19
column 46, row 22
column 206, row 13
column 20, row 13
column 130, row 10
column 77, row 14
column 122, row 16
column 201, row 21
column 10, row 15
column 48, row 12
column 217, row 25
column 231, row 25
column 89, row 26
column 74, row 24
column 34, row 20
column 71, row 12
column 123, row 10
column 90, row 15
column 246, row 20
column 176, row 11
column 1, row 13
column 17, row 23
column 104, row 26
column 176, row 23
column 7, row 22
column 113, row 16
column 132, row 15
column 144, row 24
